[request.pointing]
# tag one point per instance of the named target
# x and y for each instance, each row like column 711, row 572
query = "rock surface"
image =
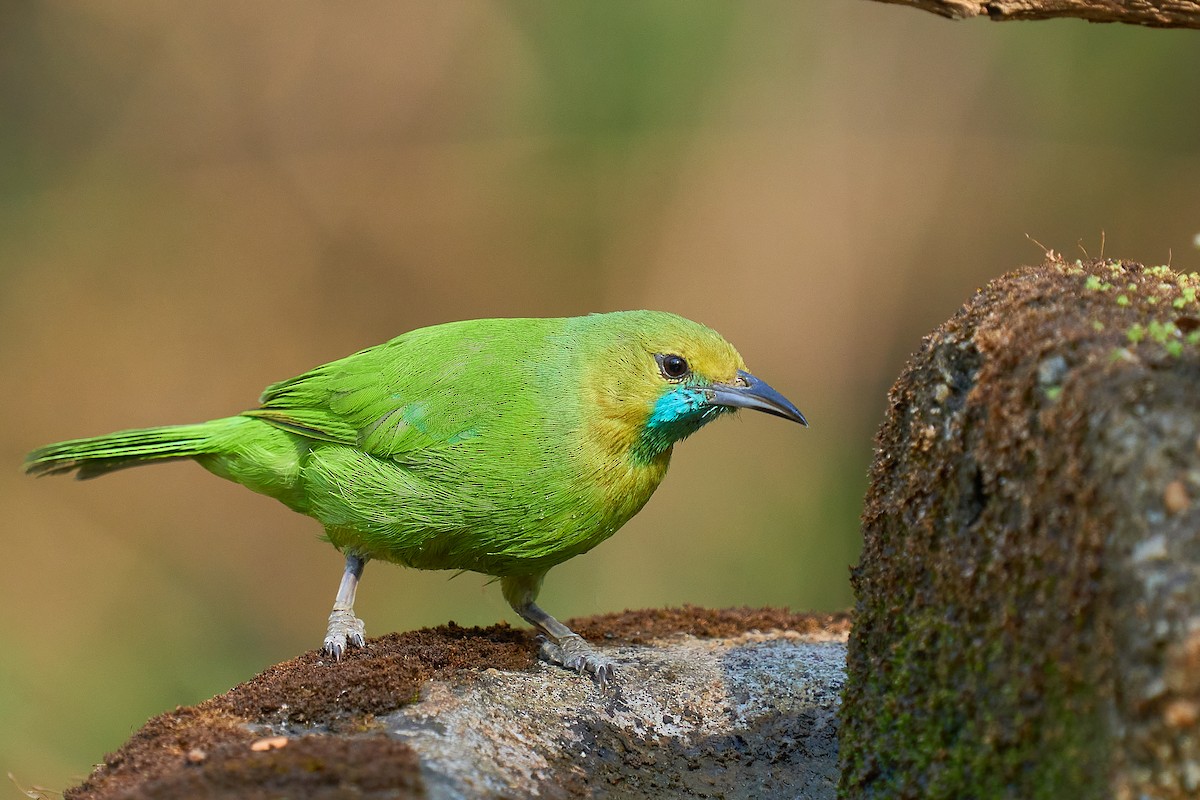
column 733, row 704
column 1028, row 598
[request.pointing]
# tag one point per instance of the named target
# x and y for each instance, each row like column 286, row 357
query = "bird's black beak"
column 749, row 392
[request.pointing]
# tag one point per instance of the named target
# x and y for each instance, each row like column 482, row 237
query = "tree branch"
column 1152, row 13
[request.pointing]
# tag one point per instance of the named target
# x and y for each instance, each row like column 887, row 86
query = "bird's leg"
column 560, row 645
column 345, row 629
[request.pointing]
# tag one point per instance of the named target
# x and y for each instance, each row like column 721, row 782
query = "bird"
column 499, row 446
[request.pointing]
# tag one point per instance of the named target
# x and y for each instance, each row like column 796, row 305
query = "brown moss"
column 323, row 767
column 314, row 689
column 636, row 627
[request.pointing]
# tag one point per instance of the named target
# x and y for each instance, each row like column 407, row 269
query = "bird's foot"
column 572, row 652
column 345, row 630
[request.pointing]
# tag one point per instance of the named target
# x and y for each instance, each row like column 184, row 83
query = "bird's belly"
column 452, row 519
column 500, row 546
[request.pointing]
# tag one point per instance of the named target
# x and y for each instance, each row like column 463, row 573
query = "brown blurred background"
column 199, row 199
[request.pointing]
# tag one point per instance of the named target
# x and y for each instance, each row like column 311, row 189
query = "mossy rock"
column 1028, row 600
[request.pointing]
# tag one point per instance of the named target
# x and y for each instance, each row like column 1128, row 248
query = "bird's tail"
column 103, row 454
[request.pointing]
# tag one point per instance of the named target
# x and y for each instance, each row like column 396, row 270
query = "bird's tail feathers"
column 103, row 454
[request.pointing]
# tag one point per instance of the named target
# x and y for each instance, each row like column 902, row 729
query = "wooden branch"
column 1152, row 13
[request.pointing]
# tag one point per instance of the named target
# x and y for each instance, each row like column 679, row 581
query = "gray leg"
column 345, row 629
column 560, row 644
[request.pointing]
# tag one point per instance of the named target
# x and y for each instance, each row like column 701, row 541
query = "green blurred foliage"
column 199, row 199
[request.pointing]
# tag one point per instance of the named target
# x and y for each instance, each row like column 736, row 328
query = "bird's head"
column 660, row 377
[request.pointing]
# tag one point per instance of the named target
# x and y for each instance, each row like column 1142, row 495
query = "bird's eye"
column 673, row 367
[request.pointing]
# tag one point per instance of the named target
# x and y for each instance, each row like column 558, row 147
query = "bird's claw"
column 345, row 630
column 573, row 653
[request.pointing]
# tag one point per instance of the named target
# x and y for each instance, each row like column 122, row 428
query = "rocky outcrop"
column 1028, row 599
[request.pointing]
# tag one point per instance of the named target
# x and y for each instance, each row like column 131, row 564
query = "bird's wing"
column 391, row 401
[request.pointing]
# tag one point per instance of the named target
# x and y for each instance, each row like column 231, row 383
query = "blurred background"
column 199, row 199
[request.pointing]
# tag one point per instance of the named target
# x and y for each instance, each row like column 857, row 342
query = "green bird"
column 500, row 446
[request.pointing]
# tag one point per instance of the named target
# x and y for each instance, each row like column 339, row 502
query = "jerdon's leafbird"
column 500, row 446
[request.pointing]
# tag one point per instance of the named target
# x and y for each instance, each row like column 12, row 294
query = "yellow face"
column 691, row 355
column 649, row 385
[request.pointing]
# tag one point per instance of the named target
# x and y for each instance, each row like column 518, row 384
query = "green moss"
column 1167, row 334
column 968, row 727
column 1158, row 287
column 1162, row 332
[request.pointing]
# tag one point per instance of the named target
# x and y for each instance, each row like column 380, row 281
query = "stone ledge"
column 706, row 703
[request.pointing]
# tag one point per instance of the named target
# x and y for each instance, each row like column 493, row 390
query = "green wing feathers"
column 326, row 403
column 98, row 455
